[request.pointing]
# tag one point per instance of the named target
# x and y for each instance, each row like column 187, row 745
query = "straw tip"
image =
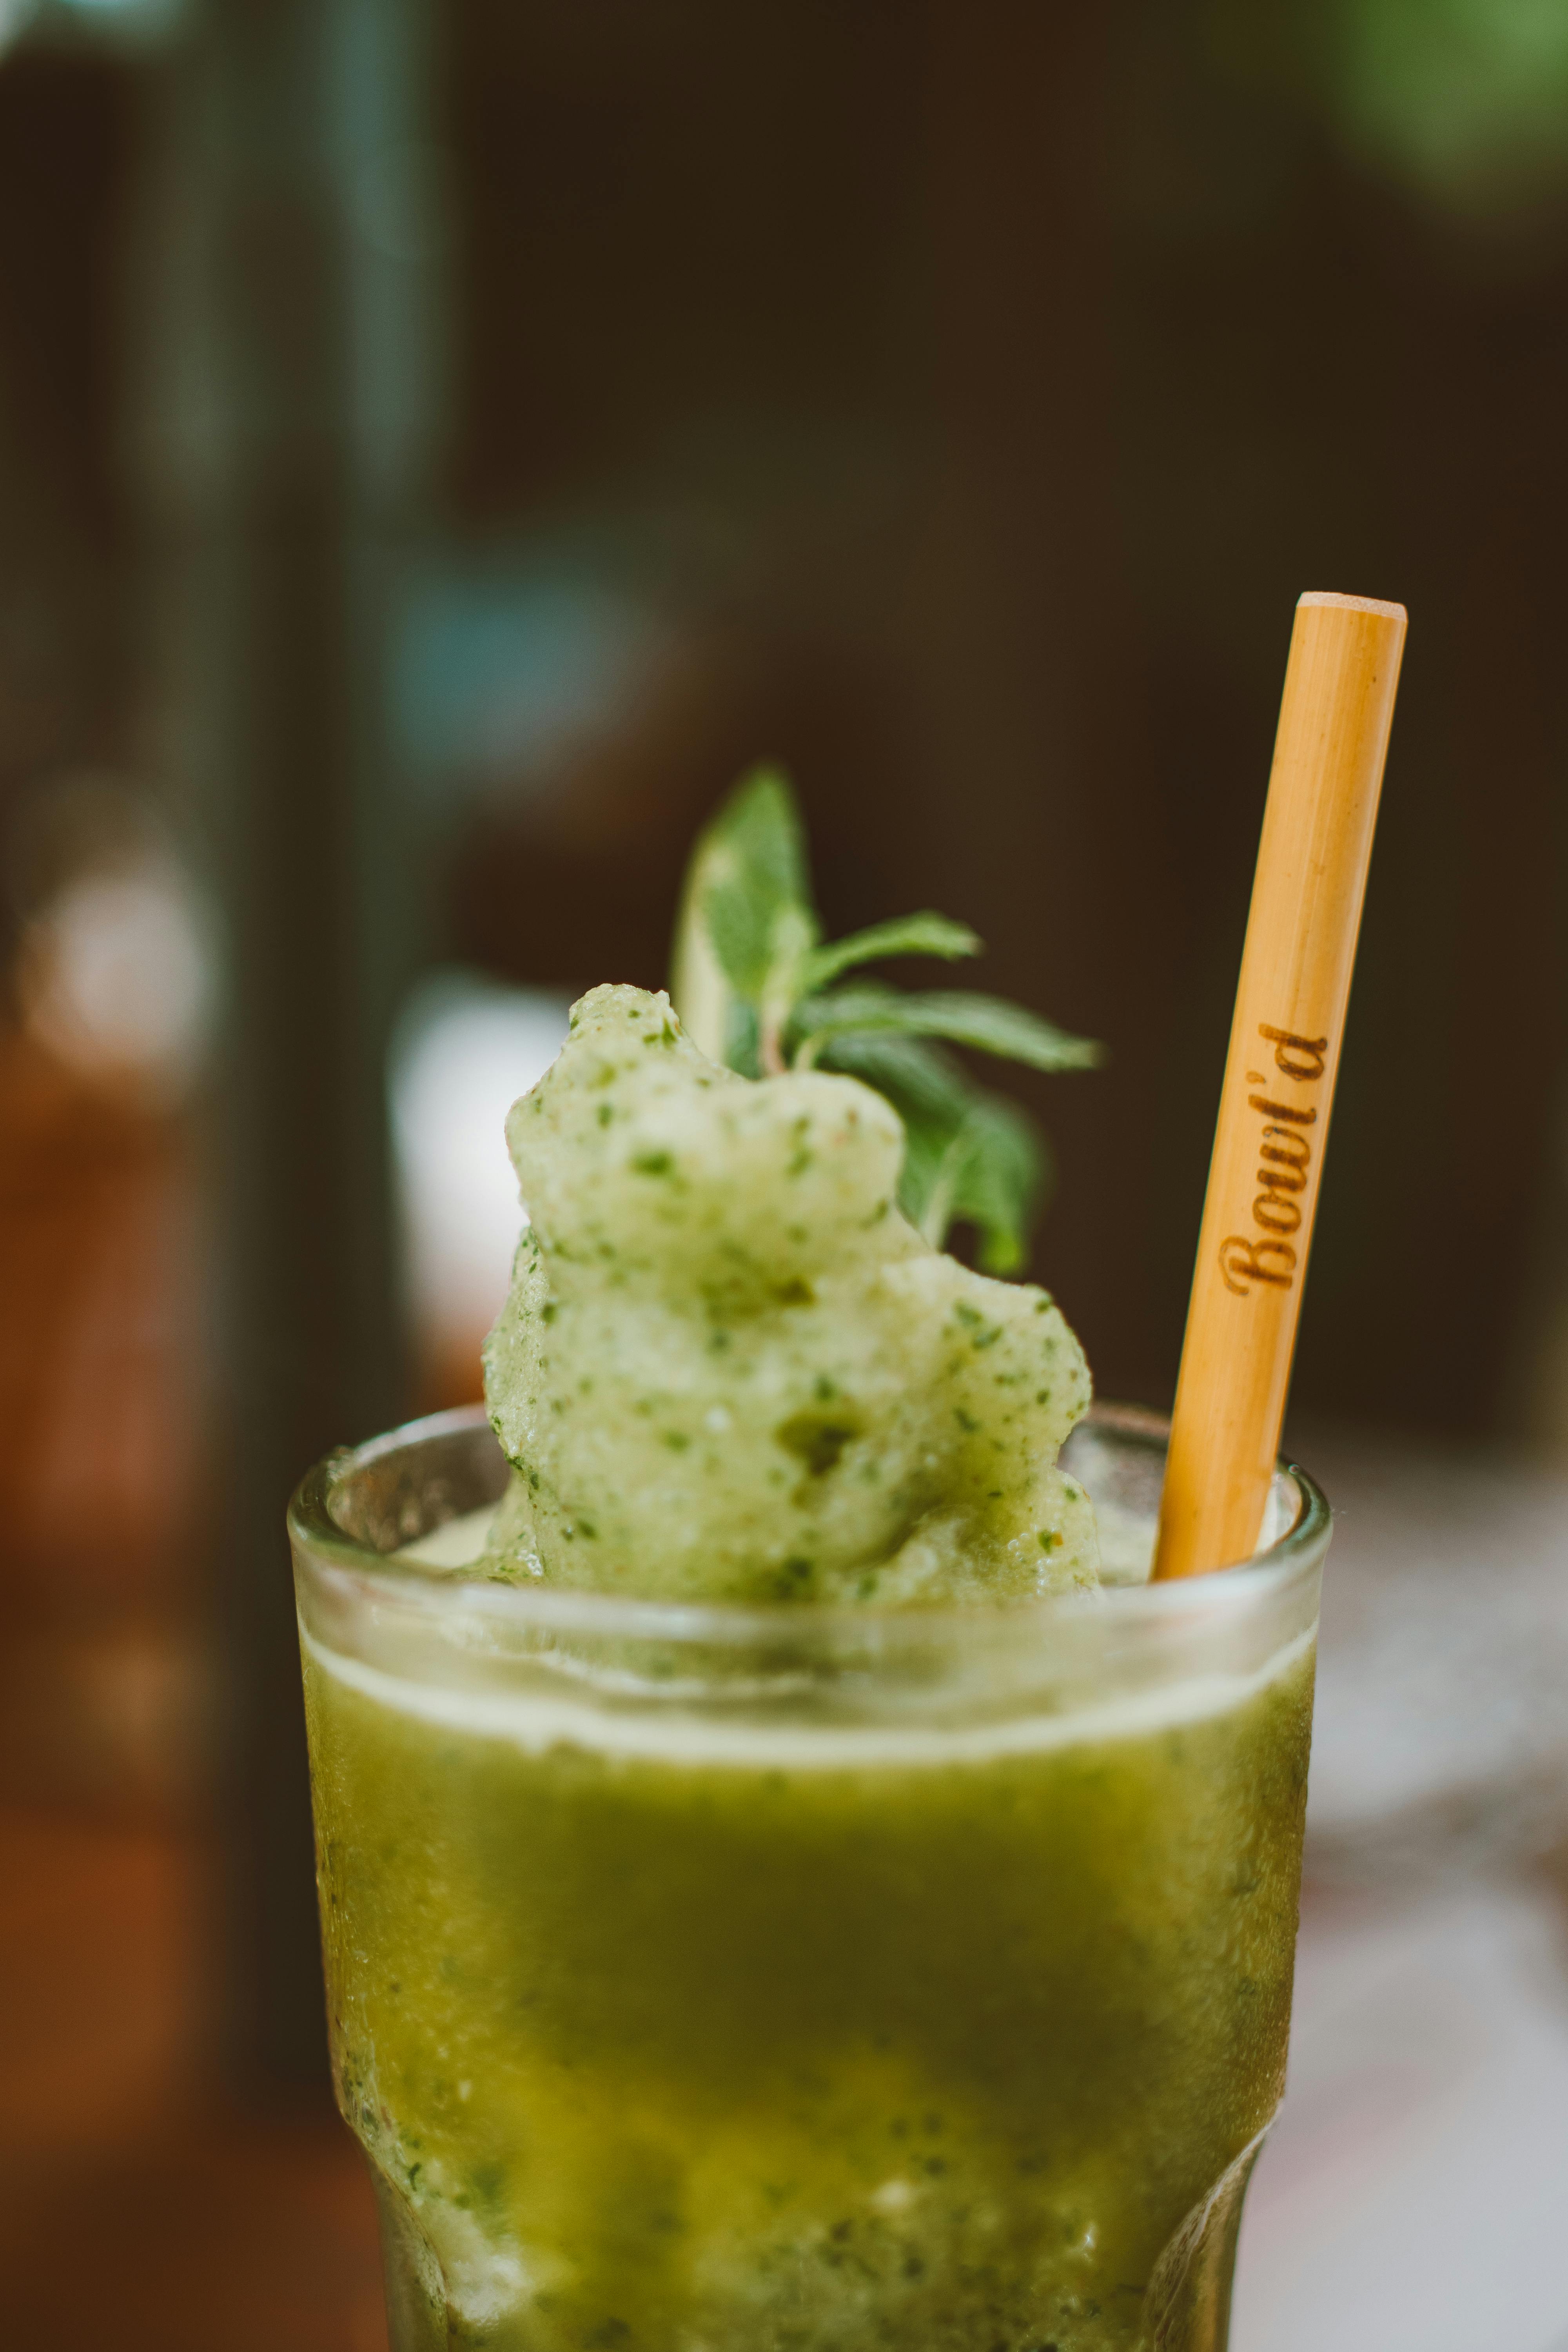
column 1332, row 596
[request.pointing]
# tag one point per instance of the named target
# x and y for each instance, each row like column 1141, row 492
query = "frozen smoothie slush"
column 777, row 1892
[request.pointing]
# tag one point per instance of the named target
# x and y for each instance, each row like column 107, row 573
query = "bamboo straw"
column 1279, row 1076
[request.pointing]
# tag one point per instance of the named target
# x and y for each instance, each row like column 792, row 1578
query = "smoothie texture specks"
column 729, row 1369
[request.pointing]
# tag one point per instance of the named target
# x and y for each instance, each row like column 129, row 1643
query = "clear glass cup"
column 709, row 1980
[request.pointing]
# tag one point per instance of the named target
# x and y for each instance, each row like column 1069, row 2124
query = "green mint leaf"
column 747, row 924
column 920, row 1081
column 741, row 1038
column 926, row 1177
column 916, row 935
column 985, row 1170
column 757, row 899
column 987, row 1023
column 700, row 989
column 969, row 1158
column 932, row 1097
column 1003, row 1175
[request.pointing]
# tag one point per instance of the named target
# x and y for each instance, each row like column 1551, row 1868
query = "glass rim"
column 359, row 1570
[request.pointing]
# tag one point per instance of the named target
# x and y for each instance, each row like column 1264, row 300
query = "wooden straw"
column 1284, row 1056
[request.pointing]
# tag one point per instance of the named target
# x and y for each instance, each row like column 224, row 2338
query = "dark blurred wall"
column 67, row 538
column 1109, row 346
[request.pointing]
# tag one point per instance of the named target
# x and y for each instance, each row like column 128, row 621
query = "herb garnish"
column 753, row 985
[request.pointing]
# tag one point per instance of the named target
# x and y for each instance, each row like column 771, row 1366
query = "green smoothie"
column 778, row 1894
column 746, row 2043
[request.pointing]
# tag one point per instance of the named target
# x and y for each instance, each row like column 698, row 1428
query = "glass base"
column 1186, row 2308
column 416, row 2293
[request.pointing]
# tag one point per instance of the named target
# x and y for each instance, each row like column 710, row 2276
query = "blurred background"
column 442, row 442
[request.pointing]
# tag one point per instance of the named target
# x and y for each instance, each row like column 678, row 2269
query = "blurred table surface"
column 1409, row 2199
column 135, row 2211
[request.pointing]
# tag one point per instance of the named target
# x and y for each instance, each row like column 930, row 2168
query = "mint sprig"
column 751, row 983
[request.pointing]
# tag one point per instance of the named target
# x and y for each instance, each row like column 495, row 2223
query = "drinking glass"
column 741, row 1979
